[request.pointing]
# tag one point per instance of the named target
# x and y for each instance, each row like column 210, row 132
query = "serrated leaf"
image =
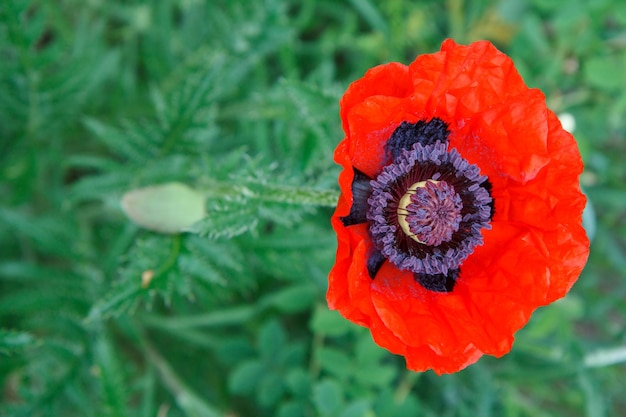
column 316, row 109
column 201, row 270
column 284, row 215
column 149, row 270
column 115, row 303
column 44, row 288
column 49, row 233
column 115, row 139
column 228, row 258
column 227, row 219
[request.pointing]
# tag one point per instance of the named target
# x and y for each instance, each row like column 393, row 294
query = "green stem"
column 100, row 309
column 171, row 259
column 186, row 399
column 317, row 344
column 287, row 194
column 299, row 196
column 232, row 316
column 404, row 387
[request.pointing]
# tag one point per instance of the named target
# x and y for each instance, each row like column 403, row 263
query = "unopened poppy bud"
column 165, row 208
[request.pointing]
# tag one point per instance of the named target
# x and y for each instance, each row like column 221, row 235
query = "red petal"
column 537, row 246
column 390, row 80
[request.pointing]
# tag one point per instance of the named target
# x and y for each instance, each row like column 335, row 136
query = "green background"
column 239, row 99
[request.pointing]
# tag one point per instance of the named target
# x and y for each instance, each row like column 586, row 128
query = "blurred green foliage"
column 239, row 99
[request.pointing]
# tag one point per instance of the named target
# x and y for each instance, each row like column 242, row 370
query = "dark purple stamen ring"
column 447, row 220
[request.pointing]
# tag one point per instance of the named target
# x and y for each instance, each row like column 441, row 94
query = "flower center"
column 427, row 210
column 430, row 212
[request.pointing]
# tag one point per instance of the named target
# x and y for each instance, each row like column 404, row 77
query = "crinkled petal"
column 389, row 80
column 536, row 248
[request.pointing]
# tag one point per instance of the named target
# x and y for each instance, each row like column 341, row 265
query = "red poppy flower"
column 460, row 208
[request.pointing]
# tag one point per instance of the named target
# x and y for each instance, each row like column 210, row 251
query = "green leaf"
column 112, row 379
column 299, row 383
column 227, row 219
column 292, row 409
column 358, row 408
column 245, row 378
column 166, row 208
column 595, row 403
column 329, row 322
column 271, row 341
column 293, row 354
column 335, row 362
column 371, row 14
column 373, row 375
column 619, row 12
column 556, row 318
column 233, row 350
column 270, row 389
column 117, row 302
column 150, row 270
column 604, row 72
column 14, row 341
column 50, row 234
column 388, row 404
column 367, row 351
column 117, row 140
column 605, row 357
column 230, row 316
column 292, row 299
column 327, row 397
